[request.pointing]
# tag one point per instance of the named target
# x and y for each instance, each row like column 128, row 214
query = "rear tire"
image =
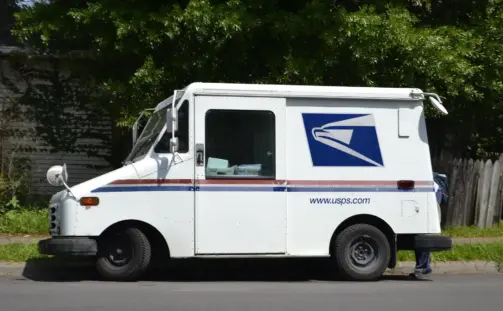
column 362, row 253
column 124, row 255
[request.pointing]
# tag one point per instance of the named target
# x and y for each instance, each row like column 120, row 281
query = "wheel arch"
column 159, row 244
column 370, row 220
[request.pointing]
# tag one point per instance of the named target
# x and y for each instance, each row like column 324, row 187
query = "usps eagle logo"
column 342, row 139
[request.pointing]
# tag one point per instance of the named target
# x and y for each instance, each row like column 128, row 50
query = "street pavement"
column 395, row 293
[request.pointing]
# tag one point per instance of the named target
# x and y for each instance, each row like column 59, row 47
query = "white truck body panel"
column 338, row 152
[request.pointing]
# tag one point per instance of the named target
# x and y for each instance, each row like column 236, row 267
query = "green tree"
column 142, row 50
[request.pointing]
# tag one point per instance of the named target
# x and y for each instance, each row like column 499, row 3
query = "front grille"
column 54, row 227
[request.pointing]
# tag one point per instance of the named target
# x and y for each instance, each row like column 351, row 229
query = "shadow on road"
column 197, row 270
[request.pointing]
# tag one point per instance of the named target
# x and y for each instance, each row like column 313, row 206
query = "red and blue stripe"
column 228, row 185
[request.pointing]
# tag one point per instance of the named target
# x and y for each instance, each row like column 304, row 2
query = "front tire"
column 124, row 255
column 362, row 253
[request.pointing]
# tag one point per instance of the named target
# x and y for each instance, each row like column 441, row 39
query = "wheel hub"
column 119, row 253
column 362, row 253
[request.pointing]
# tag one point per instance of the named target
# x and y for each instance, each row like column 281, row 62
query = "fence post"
column 484, row 194
column 491, row 207
column 471, row 171
column 460, row 193
column 452, row 192
column 498, row 212
column 479, row 184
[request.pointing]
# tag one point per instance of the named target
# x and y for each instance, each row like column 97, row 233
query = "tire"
column 365, row 239
column 136, row 251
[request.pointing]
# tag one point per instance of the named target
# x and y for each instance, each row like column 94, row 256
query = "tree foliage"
column 142, row 50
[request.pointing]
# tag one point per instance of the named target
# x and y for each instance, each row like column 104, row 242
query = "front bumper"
column 432, row 243
column 79, row 246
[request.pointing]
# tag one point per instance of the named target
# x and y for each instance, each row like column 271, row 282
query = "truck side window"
column 182, row 133
column 240, row 144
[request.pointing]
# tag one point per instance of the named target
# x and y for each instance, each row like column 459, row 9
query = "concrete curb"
column 478, row 240
column 453, row 267
column 27, row 239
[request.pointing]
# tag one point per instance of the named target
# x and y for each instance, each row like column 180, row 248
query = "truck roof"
column 299, row 91
column 305, row 91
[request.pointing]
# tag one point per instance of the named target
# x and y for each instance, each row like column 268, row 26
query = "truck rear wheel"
column 124, row 256
column 362, row 252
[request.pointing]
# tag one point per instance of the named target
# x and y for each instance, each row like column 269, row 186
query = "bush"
column 14, row 182
column 28, row 220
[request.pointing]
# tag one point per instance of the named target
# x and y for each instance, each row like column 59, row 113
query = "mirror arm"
column 173, row 142
column 64, row 175
column 433, row 95
column 433, row 98
column 68, row 188
column 174, row 114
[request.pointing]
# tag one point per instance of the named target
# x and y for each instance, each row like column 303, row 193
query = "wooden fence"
column 475, row 191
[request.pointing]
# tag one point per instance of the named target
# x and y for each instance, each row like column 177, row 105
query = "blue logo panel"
column 342, row 139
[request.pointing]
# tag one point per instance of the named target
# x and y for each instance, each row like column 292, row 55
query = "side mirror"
column 172, row 120
column 174, row 115
column 173, row 144
column 436, row 103
column 57, row 175
column 434, row 100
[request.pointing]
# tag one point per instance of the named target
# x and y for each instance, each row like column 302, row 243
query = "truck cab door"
column 240, row 197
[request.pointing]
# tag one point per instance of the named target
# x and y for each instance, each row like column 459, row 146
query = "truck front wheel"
column 362, row 252
column 124, row 255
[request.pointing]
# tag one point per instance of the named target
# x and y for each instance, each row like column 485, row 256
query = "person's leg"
column 423, row 264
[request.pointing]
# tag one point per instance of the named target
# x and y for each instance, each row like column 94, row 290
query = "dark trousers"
column 423, row 262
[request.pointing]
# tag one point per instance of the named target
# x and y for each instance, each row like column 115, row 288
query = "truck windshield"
column 149, row 134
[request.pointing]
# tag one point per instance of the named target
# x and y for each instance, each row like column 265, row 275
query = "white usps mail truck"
column 251, row 170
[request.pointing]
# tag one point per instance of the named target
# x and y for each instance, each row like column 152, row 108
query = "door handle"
column 199, row 154
column 199, row 158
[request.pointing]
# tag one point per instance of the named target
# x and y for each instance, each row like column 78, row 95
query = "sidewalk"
column 20, row 239
column 28, row 239
column 497, row 239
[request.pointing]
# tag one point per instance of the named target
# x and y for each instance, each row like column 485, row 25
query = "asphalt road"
column 475, row 292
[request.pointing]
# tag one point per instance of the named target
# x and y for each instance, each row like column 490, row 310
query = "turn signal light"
column 89, row 201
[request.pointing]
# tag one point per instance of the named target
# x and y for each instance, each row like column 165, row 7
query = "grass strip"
column 474, row 232
column 25, row 221
column 462, row 252
column 19, row 252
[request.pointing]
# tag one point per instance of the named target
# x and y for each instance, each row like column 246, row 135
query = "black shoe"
column 419, row 276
